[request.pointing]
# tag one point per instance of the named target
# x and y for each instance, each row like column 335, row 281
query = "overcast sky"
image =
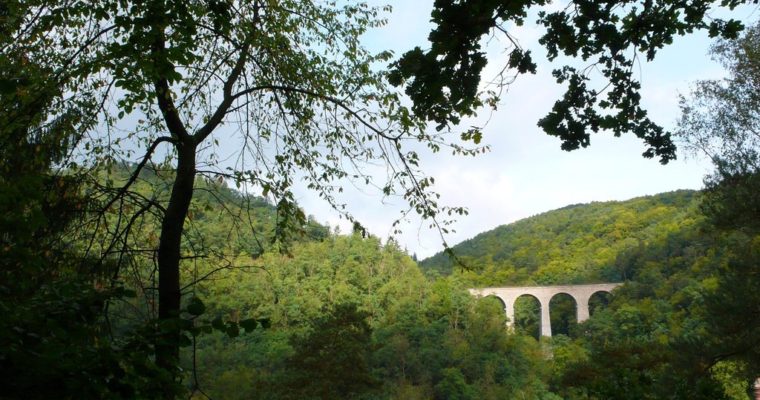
column 526, row 172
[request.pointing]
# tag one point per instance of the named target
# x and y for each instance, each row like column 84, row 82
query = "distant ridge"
column 578, row 243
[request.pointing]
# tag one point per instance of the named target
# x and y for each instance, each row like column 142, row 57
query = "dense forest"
column 668, row 255
column 323, row 315
column 326, row 314
column 152, row 245
column 364, row 321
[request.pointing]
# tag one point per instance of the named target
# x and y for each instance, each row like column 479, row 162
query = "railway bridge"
column 580, row 293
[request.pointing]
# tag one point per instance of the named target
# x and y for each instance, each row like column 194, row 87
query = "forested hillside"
column 669, row 331
column 319, row 315
column 130, row 270
column 582, row 243
column 334, row 316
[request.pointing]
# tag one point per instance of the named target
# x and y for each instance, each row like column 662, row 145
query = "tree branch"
column 140, row 166
column 169, row 111
column 340, row 103
column 161, row 87
column 228, row 97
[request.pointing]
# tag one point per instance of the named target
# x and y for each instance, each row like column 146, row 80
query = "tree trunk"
column 169, row 296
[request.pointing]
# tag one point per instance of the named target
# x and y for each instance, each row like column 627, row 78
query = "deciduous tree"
column 444, row 81
column 283, row 86
column 721, row 119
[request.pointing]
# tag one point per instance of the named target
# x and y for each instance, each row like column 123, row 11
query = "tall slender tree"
column 721, row 120
column 285, row 86
column 285, row 89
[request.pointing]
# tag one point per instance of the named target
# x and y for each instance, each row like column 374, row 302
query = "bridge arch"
column 501, row 301
column 580, row 293
column 527, row 316
column 598, row 300
column 563, row 313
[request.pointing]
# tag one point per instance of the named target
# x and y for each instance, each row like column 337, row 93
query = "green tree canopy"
column 721, row 119
column 444, row 80
column 301, row 99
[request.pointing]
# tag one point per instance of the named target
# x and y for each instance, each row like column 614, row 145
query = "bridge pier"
column 546, row 320
column 509, row 309
column 581, row 308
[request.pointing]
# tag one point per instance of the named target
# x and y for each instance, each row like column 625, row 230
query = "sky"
column 526, row 173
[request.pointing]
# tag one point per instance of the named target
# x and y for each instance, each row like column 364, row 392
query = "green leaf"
column 232, row 330
column 196, row 306
column 477, row 136
column 248, row 324
column 7, row 86
column 184, row 341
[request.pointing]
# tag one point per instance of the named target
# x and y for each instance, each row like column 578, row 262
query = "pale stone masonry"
column 580, row 293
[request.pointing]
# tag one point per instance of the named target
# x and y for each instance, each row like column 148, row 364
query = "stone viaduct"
column 580, row 293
